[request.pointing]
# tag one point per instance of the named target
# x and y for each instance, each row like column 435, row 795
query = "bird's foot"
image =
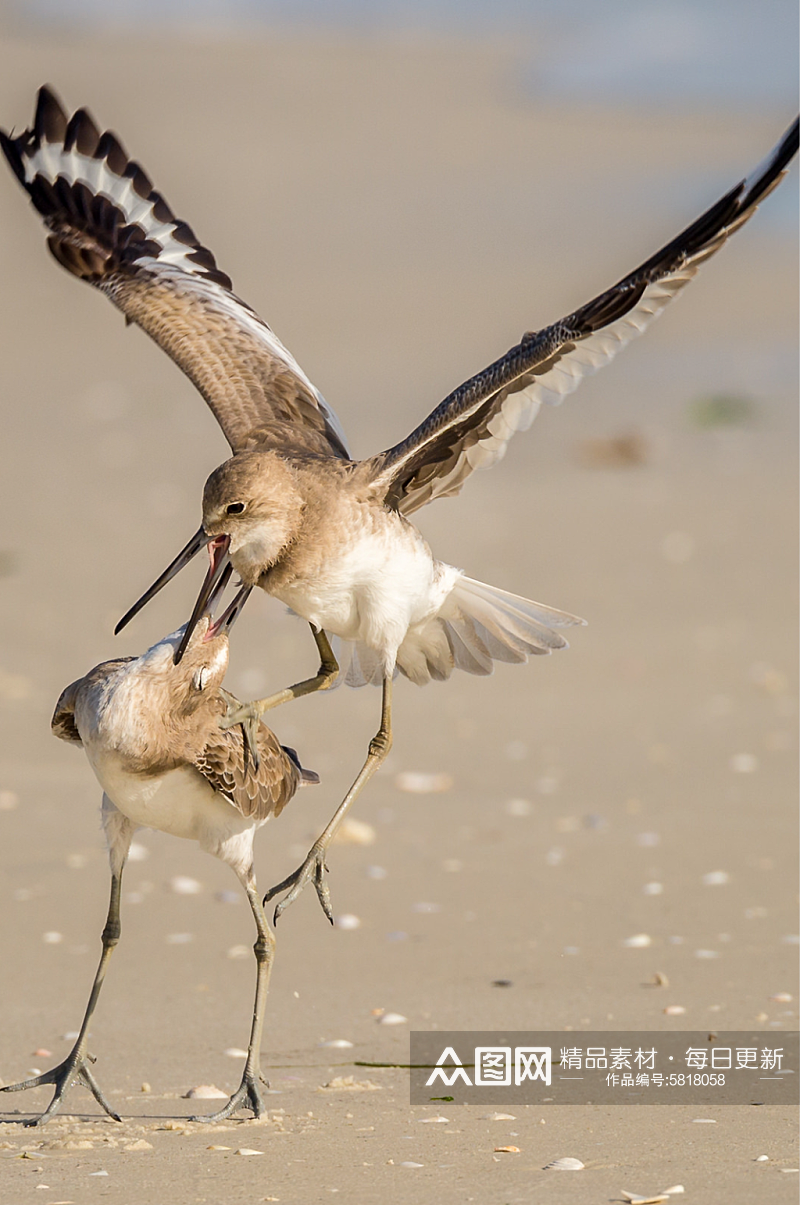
column 74, row 1069
column 248, row 715
column 313, row 869
column 247, row 1096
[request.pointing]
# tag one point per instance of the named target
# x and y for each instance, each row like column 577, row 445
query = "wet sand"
column 400, row 211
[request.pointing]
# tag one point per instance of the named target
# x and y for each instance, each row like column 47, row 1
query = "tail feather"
column 476, row 626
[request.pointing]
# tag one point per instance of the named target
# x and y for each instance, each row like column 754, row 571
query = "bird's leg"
column 249, row 714
column 314, row 867
column 248, row 1094
column 75, row 1067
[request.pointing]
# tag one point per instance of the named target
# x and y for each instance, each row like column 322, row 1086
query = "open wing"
column 471, row 427
column 109, row 227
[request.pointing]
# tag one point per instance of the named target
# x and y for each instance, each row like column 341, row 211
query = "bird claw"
column 247, row 1096
column 73, row 1069
column 313, row 869
column 245, row 715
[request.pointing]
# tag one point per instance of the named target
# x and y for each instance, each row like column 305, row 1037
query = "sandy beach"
column 400, row 210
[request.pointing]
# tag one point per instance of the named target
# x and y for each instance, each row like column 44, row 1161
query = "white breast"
column 179, row 802
column 374, row 587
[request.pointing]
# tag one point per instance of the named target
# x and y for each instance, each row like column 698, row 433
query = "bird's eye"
column 200, row 677
column 235, row 508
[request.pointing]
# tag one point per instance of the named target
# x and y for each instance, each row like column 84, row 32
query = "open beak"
column 197, row 543
column 227, row 619
column 217, row 577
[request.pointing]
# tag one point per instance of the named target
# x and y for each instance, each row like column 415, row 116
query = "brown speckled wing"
column 222, row 763
column 108, row 226
column 471, row 427
column 63, row 723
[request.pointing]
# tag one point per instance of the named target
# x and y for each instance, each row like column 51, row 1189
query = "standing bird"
column 151, row 731
column 293, row 513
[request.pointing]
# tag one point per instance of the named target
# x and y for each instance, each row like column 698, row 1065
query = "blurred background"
column 401, row 190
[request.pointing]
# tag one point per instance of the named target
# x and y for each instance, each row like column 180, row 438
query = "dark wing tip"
column 50, row 121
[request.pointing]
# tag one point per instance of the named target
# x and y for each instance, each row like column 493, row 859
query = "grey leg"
column 248, row 1094
column 248, row 714
column 314, row 868
column 75, row 1067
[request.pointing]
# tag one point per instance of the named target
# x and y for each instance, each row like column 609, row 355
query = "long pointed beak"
column 187, row 554
column 217, row 570
column 229, row 616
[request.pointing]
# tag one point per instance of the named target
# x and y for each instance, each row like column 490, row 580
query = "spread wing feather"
column 108, row 226
column 471, row 428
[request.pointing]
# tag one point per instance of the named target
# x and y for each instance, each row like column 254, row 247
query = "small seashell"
column 52, row 938
column 716, row 878
column 179, row 939
column 205, row 1092
column 416, row 783
column 704, row 1121
column 508, row 1150
column 348, row 1083
column 41, row 1053
column 145, row 1087
column 674, row 1189
column 98, row 1173
column 247, row 1150
column 181, row 884
column 639, row 941
column 355, row 832
column 499, row 1117
column 761, row 1159
column 139, row 1145
column 637, row 1199
column 347, row 920
column 336, row 1044
column 780, row 997
column 235, row 1052
column 408, row 1163
column 659, row 980
column 433, row 1120
column 218, row 1148
column 674, row 1010
column 392, row 1019
column 239, row 952
column 564, row 1165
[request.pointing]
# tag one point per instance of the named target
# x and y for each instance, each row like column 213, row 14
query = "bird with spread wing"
column 293, row 513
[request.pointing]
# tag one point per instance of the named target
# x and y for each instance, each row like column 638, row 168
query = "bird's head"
column 253, row 499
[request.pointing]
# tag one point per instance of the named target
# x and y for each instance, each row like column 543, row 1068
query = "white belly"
column 179, row 802
column 375, row 589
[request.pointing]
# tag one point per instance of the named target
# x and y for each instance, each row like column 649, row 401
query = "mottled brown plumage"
column 151, row 731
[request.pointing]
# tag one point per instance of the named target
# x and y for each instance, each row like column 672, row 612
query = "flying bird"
column 151, row 731
column 328, row 535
